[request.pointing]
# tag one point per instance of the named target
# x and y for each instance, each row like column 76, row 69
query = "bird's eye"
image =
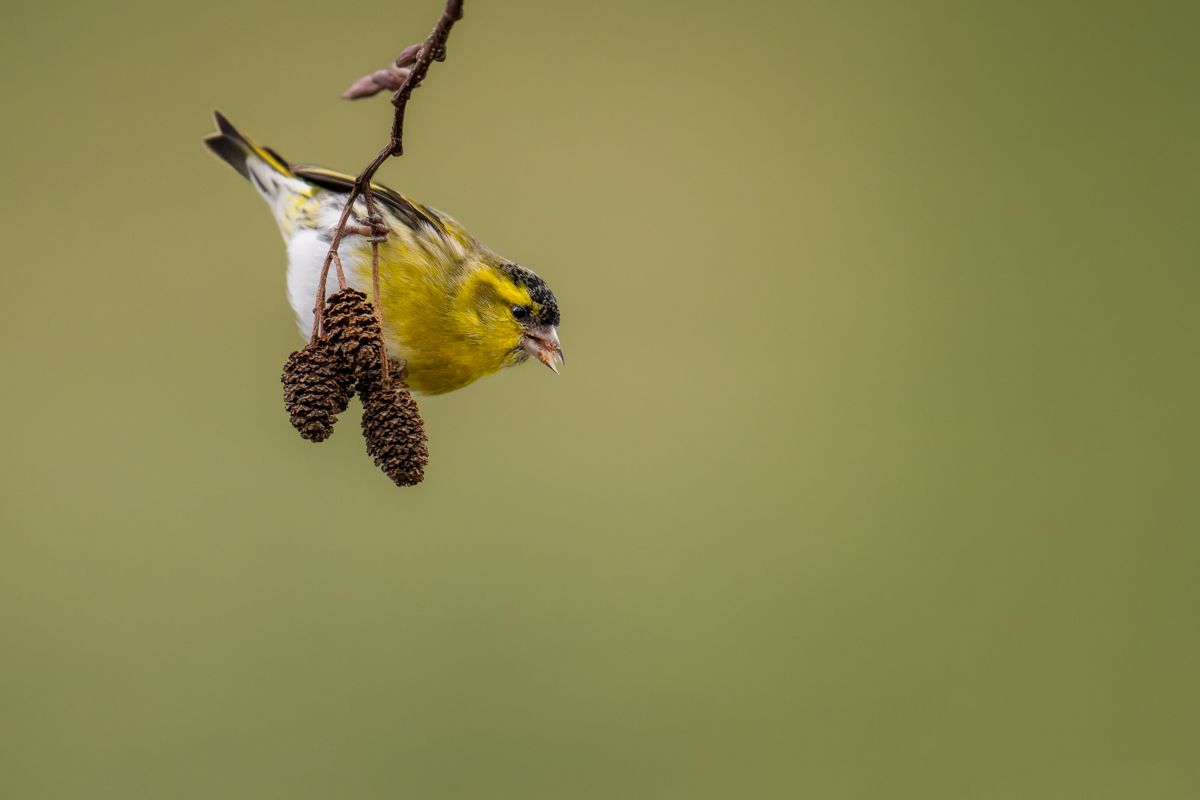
column 520, row 312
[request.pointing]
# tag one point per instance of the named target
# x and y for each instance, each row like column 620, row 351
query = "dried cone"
column 315, row 390
column 353, row 332
column 392, row 426
column 391, row 422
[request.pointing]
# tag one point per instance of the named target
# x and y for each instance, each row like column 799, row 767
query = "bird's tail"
column 262, row 166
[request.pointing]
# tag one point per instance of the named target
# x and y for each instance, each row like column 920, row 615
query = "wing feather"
column 413, row 214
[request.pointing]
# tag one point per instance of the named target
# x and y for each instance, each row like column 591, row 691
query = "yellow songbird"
column 453, row 311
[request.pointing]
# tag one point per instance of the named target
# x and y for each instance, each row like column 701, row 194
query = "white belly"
column 306, row 254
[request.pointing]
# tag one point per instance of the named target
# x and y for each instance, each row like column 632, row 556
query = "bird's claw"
column 376, row 232
column 372, row 226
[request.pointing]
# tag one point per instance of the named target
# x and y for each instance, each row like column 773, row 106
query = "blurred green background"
column 872, row 474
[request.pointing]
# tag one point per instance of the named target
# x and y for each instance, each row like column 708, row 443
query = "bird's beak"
column 542, row 343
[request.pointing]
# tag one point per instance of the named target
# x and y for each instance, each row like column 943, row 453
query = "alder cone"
column 314, row 390
column 395, row 435
column 353, row 332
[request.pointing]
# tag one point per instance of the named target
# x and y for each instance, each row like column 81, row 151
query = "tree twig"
column 409, row 71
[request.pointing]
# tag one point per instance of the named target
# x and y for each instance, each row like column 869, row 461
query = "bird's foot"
column 379, row 228
column 375, row 229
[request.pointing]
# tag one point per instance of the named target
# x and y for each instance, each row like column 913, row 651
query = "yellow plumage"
column 452, row 310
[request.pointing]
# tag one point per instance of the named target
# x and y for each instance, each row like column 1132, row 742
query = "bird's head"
column 517, row 314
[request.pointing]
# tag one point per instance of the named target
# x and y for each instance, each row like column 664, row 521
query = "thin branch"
column 377, row 233
column 409, row 69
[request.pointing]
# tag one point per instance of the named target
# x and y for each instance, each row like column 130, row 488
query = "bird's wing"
column 413, row 214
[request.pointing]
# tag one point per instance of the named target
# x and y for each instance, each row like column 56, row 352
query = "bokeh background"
column 872, row 473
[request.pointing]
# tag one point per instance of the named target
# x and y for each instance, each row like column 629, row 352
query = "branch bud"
column 392, row 78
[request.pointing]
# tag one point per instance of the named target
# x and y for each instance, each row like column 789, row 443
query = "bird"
column 452, row 310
